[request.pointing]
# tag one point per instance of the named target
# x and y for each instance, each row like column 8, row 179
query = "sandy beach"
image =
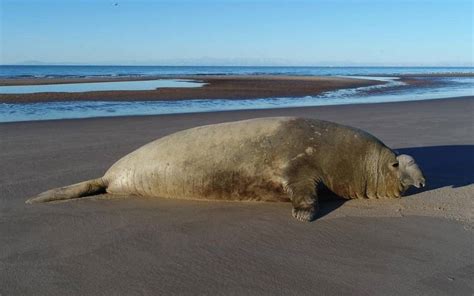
column 420, row 244
column 216, row 87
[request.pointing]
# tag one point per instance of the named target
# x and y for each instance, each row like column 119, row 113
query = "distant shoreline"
column 21, row 80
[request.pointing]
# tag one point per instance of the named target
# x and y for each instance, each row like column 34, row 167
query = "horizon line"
column 249, row 66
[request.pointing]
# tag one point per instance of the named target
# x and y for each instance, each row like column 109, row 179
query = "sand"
column 229, row 87
column 418, row 245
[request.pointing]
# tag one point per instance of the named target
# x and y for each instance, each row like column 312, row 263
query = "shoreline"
column 201, row 77
column 191, row 246
column 224, row 87
column 263, row 110
column 230, row 87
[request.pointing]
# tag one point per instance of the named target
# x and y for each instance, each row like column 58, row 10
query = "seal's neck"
column 389, row 185
column 383, row 180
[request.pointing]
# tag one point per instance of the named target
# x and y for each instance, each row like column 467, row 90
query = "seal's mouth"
column 417, row 184
column 404, row 184
column 403, row 187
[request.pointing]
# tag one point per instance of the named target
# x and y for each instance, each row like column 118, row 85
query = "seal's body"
column 266, row 159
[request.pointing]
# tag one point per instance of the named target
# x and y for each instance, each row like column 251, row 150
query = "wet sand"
column 217, row 87
column 418, row 245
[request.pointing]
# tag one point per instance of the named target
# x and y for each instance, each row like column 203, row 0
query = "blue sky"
column 339, row 33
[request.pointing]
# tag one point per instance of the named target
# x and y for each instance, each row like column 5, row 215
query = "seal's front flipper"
column 304, row 200
column 86, row 188
column 304, row 214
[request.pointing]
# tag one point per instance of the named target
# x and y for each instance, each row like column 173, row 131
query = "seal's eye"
column 395, row 165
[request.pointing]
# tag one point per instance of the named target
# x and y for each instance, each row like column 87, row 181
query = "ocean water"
column 134, row 71
column 393, row 90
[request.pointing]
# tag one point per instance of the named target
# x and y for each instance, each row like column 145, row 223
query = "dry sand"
column 419, row 245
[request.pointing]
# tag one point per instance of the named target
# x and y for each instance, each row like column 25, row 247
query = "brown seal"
column 264, row 159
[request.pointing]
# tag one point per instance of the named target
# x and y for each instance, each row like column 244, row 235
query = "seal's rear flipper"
column 86, row 188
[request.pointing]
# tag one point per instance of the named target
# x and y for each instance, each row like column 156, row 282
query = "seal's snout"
column 410, row 172
column 421, row 184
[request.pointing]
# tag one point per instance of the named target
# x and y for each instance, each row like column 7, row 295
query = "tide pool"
column 99, row 86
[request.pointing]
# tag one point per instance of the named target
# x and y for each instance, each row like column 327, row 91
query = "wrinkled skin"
column 266, row 159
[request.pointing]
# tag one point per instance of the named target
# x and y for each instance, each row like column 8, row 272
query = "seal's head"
column 410, row 173
column 395, row 174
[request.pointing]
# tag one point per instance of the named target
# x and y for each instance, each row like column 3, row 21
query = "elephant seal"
column 263, row 159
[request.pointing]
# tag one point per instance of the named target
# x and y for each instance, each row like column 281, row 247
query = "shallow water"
column 99, row 86
column 393, row 91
